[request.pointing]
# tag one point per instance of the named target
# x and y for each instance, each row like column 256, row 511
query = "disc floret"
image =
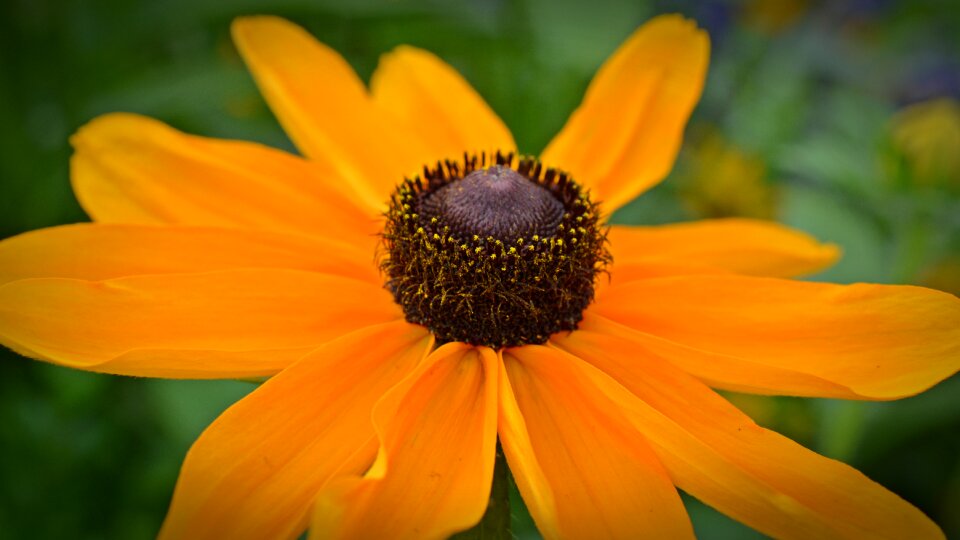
column 500, row 254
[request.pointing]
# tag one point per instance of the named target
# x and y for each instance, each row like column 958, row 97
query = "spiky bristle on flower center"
column 500, row 254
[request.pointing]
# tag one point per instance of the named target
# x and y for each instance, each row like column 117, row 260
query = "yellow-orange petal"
column 233, row 323
column 719, row 455
column 625, row 135
column 875, row 341
column 715, row 369
column 255, row 471
column 623, row 272
column 132, row 169
column 742, row 246
column 325, row 107
column 95, row 251
column 583, row 470
column 432, row 477
column 430, row 98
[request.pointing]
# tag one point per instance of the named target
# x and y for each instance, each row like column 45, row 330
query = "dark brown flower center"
column 500, row 254
column 496, row 201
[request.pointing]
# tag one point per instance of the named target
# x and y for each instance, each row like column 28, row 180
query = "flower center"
column 493, row 254
column 497, row 202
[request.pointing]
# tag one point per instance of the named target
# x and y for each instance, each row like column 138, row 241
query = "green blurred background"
column 840, row 119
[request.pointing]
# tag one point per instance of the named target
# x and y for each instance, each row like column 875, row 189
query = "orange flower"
column 213, row 258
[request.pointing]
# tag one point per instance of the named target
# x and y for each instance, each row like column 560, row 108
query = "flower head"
column 493, row 255
column 927, row 134
column 722, row 180
column 416, row 293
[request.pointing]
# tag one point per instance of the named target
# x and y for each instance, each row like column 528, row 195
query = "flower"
column 927, row 135
column 212, row 258
column 722, row 180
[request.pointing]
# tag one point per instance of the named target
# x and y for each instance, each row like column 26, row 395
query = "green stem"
column 495, row 523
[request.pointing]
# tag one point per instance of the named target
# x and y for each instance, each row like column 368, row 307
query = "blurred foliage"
column 836, row 118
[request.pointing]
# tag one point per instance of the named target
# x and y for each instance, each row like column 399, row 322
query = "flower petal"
column 431, row 99
column 743, row 246
column 583, row 470
column 255, row 471
column 869, row 341
column 717, row 454
column 626, row 271
column 715, row 369
column 103, row 251
column 325, row 108
column 432, row 478
column 132, row 169
column 625, row 135
column 236, row 323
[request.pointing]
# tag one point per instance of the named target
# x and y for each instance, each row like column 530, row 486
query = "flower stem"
column 495, row 524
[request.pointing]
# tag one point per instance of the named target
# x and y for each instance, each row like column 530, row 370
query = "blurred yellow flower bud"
column 927, row 134
column 722, row 180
